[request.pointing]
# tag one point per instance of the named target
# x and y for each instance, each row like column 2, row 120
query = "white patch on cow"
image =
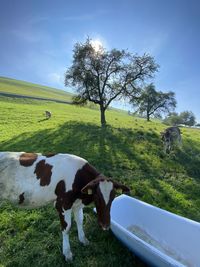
column 105, row 188
column 67, row 218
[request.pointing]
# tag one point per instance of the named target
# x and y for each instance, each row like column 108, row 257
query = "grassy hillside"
column 13, row 86
column 129, row 150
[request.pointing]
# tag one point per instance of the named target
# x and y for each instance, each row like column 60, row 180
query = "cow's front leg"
column 65, row 220
column 67, row 225
column 78, row 216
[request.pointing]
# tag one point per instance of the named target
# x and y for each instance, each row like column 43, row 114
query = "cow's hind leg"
column 78, row 216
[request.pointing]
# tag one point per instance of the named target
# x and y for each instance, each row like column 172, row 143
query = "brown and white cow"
column 170, row 137
column 32, row 180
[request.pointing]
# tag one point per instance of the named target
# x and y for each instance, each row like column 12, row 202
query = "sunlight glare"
column 97, row 45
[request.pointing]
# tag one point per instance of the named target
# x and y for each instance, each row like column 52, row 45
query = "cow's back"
column 30, row 179
column 173, row 129
column 174, row 132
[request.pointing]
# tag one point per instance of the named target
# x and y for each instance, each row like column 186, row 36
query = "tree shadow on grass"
column 189, row 157
column 109, row 149
column 113, row 151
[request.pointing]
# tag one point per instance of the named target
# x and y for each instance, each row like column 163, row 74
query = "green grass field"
column 129, row 150
column 13, row 86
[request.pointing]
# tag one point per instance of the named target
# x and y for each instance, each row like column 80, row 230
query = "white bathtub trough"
column 159, row 237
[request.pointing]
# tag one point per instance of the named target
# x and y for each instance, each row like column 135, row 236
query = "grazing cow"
column 47, row 114
column 171, row 136
column 32, row 180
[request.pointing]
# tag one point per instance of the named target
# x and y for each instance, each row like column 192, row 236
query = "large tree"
column 102, row 76
column 152, row 102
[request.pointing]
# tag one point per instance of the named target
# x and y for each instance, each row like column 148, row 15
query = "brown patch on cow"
column 27, row 159
column 60, row 188
column 21, row 198
column 84, row 176
column 64, row 201
column 43, row 172
column 60, row 191
column 49, row 155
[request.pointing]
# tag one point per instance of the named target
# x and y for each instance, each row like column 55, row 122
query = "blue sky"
column 37, row 39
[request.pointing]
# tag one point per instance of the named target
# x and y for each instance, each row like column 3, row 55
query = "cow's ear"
column 124, row 188
column 89, row 188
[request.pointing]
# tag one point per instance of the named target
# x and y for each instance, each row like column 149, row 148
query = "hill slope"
column 12, row 86
column 128, row 150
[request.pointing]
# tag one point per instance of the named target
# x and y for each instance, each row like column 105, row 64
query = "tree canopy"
column 172, row 119
column 101, row 76
column 185, row 117
column 152, row 102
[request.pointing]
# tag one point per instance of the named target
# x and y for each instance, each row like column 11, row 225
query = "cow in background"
column 32, row 180
column 48, row 114
column 170, row 137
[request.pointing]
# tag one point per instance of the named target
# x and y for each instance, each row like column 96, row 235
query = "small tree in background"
column 172, row 119
column 102, row 76
column 152, row 102
column 187, row 118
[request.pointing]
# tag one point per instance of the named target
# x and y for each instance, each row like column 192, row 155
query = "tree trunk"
column 103, row 118
column 148, row 116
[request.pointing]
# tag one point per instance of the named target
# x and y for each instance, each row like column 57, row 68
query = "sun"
column 97, row 45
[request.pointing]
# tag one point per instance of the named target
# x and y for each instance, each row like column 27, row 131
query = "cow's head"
column 103, row 191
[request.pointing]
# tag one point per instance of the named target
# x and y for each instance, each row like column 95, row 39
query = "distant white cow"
column 48, row 114
column 170, row 137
